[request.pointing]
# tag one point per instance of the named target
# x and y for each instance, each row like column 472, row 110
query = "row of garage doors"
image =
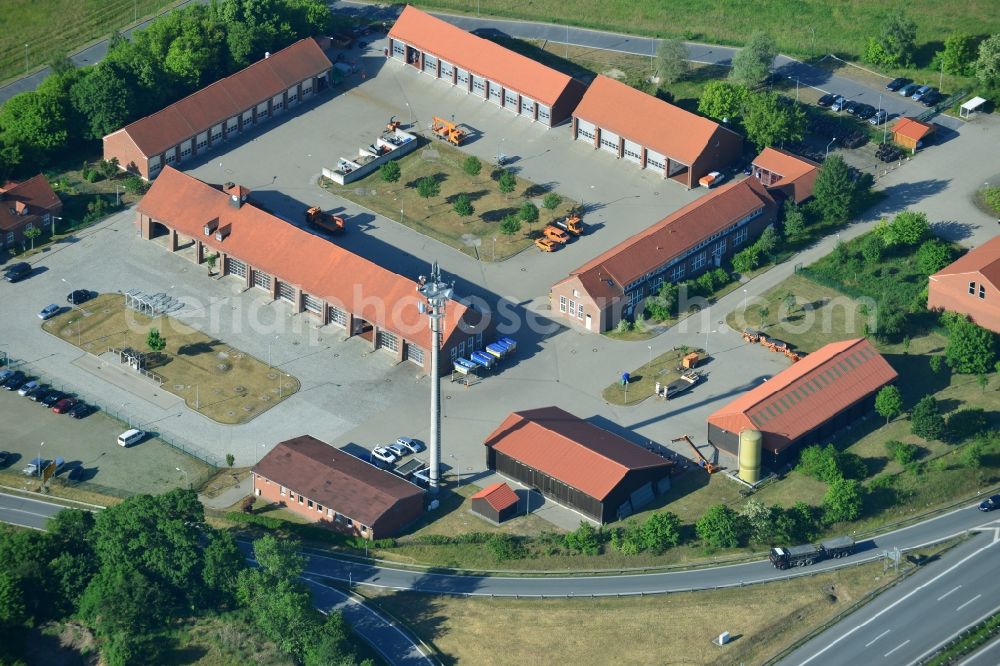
column 632, row 151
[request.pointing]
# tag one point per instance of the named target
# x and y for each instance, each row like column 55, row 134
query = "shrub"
column 505, row 547
column 551, row 201
column 390, row 171
column 528, row 212
column 991, row 195
column 820, row 463
column 510, row 225
column 584, row 539
column 506, row 182
column 463, row 205
column 926, row 421
column 843, row 501
column 472, row 165
column 721, row 527
column 933, row 255
column 428, row 187
column 902, row 452
column 624, row 326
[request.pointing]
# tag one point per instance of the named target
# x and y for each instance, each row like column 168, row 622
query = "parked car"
column 37, row 463
column 851, row 106
column 909, row 89
column 413, row 445
column 79, row 296
column 80, row 410
column 920, row 92
column 64, row 405
column 932, row 98
column 864, row 111
column 384, row 454
column 397, row 450
column 130, row 437
column 880, row 117
column 39, row 394
column 17, row 272
column 826, row 100
column 52, row 397
column 28, row 387
column 15, row 381
column 897, row 83
column 712, row 179
column 990, row 503
column 838, row 104
column 48, row 312
column 5, row 374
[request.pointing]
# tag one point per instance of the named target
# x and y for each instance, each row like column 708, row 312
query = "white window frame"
column 562, row 304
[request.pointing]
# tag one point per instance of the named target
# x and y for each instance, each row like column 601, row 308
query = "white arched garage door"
column 633, row 152
column 609, row 141
column 655, row 161
column 585, row 131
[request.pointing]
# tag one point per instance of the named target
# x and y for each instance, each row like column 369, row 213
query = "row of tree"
column 175, row 55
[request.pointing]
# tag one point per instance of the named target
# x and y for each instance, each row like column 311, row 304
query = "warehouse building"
column 696, row 238
column 786, row 176
column 222, row 111
column 653, row 134
column 576, row 464
column 329, row 486
column 807, row 403
column 311, row 274
column 483, row 68
column 971, row 286
column 496, row 503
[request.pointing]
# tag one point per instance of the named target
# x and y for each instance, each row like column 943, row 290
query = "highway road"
column 915, row 618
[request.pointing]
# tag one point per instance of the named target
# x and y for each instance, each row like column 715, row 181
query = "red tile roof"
column 499, row 496
column 984, row 260
column 570, row 449
column 317, row 266
column 672, row 236
column 808, row 393
column 228, row 97
column 795, row 171
column 480, row 56
column 912, row 129
column 646, row 120
column 334, row 478
column 34, row 195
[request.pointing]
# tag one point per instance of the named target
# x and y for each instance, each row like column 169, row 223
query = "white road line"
column 937, row 647
column 877, row 637
column 980, row 653
column 896, row 648
column 897, row 602
column 968, row 602
column 948, row 592
column 30, row 513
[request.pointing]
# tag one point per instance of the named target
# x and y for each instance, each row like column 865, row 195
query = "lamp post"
column 650, row 348
column 494, row 248
column 409, row 111
column 187, row 481
column 129, row 416
column 828, row 147
column 269, row 343
column 40, row 445
column 744, row 301
column 458, row 469
column 437, row 292
column 500, row 151
column 54, row 218
column 26, row 58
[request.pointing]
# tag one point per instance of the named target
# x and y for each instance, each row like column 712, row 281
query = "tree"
column 584, row 539
column 721, row 527
column 902, row 452
column 671, row 60
column 36, row 121
column 13, row 610
column 768, row 241
column 820, row 462
column 331, row 646
column 760, row 520
column 528, row 212
column 907, row 229
column 507, row 182
column 770, row 119
column 747, row 259
column 155, row 341
column 843, row 501
column 428, row 187
column 31, row 233
column 223, row 563
column 106, row 98
column 472, row 166
column 661, row 530
column 764, row 312
column 722, row 100
column 972, row 456
column 210, row 261
column 988, row 62
column 390, row 171
column 752, row 63
column 926, row 421
column 122, row 600
column 834, row 191
column 971, row 349
column 872, row 248
column 510, row 225
column 794, row 220
column 895, row 42
column 663, row 305
column 133, row 184
column 551, row 202
column 959, row 54
column 108, row 168
column 933, row 255
column 889, row 402
column 463, row 205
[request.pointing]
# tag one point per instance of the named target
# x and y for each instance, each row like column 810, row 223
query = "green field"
column 57, row 27
column 804, row 27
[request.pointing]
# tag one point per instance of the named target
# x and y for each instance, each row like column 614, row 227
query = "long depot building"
column 807, row 403
column 311, row 274
column 577, row 464
column 483, row 68
column 653, row 134
column 221, row 111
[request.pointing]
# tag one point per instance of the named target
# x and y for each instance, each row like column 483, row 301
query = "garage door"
column 479, row 85
column 388, row 341
column 609, row 141
column 430, row 64
column 202, row 140
column 236, row 267
column 398, row 49
column 262, row 111
column 414, row 354
column 307, row 88
column 495, row 92
column 186, row 148
column 277, row 102
column 655, row 161
column 286, row 292
column 543, row 113
column 312, row 304
column 170, row 156
column 510, row 100
column 585, row 130
column 232, row 125
column 527, row 107
column 262, row 280
column 248, row 118
column 336, row 316
column 447, row 70
column 633, row 152
column 463, row 78
column 293, row 94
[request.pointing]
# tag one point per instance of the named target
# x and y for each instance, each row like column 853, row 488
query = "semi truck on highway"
column 802, row 556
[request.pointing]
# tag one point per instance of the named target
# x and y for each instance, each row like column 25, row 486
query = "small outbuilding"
column 496, row 503
column 911, row 133
column 971, row 107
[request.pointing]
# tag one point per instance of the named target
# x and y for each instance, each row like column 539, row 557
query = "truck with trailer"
column 786, row 557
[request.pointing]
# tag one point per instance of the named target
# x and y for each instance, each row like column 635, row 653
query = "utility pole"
column 438, row 293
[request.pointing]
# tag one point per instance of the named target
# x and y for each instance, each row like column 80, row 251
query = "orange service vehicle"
column 556, row 234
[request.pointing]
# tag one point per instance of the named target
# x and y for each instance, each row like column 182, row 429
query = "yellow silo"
column 750, row 446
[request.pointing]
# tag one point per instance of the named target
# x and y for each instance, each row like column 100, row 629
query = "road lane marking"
column 980, row 653
column 877, row 637
column 968, row 602
column 937, row 647
column 948, row 592
column 896, row 648
column 30, row 513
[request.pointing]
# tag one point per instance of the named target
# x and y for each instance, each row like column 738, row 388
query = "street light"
column 269, row 343
column 438, row 293
column 26, row 58
column 500, row 151
column 494, row 248
column 129, row 416
column 828, row 147
column 650, row 348
column 744, row 300
column 54, row 218
column 458, row 468
column 410, row 112
column 186, row 479
column 40, row 459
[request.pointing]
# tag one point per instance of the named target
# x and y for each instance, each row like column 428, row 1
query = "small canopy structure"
column 971, row 107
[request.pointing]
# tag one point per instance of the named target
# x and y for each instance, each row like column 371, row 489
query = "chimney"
column 237, row 194
column 211, row 226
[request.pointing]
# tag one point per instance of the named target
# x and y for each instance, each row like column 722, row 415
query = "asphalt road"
column 26, row 512
column 915, row 618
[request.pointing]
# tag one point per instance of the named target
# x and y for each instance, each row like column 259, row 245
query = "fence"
column 117, row 413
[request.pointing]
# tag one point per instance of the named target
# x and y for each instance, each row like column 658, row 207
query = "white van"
column 130, row 437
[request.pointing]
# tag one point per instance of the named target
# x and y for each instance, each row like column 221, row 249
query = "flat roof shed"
column 971, row 107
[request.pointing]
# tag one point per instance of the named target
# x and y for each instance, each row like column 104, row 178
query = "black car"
column 75, row 474
column 897, row 83
column 15, row 381
column 52, row 397
column 39, row 393
column 17, row 272
column 931, row 98
column 851, row 106
column 79, row 296
column 864, row 111
column 990, row 503
column 80, row 410
column 826, row 100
